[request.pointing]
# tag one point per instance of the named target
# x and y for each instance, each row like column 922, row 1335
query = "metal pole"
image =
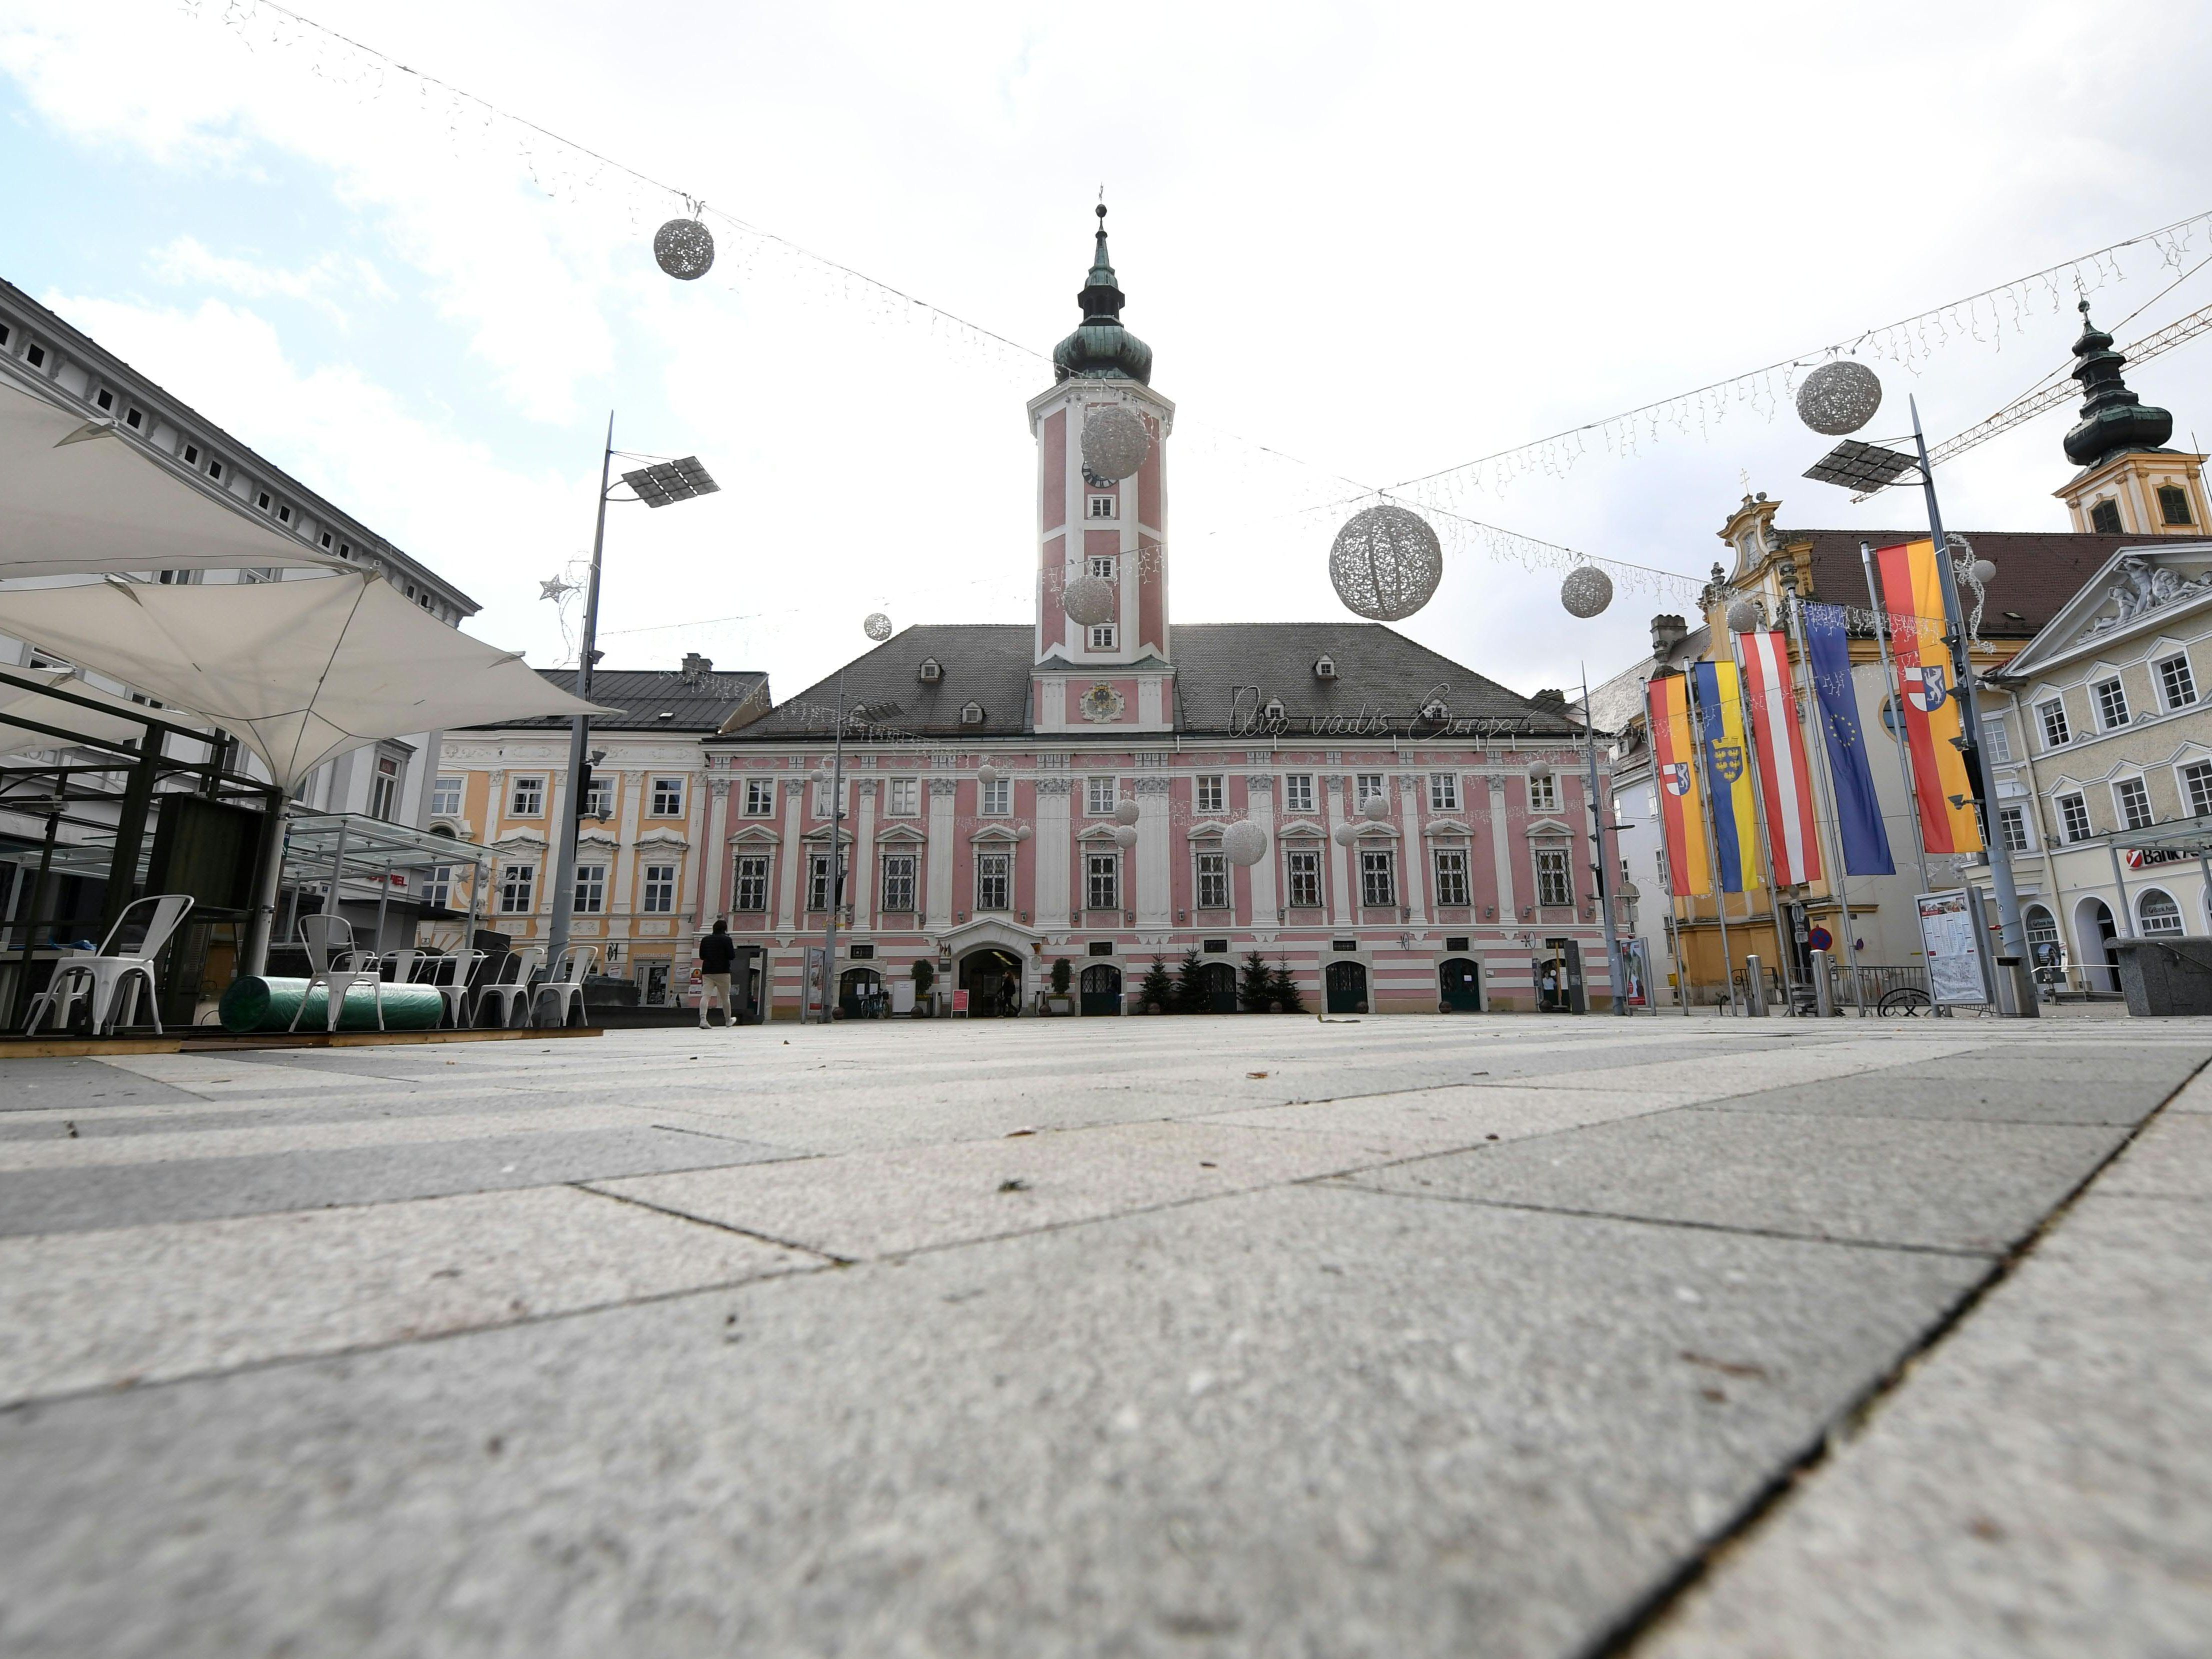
column 130, row 828
column 580, row 732
column 1601, row 815
column 1895, row 698
column 1838, row 878
column 1712, row 844
column 2014, row 936
column 1783, row 948
column 836, row 893
column 383, row 906
column 338, row 869
column 268, row 883
column 20, row 992
column 2127, row 914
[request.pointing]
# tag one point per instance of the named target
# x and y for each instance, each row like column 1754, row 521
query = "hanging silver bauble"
column 878, row 627
column 1839, row 397
column 1586, row 592
column 1385, row 563
column 1983, row 572
column 819, row 774
column 1375, row 807
column 1345, row 834
column 1023, row 833
column 1127, row 812
column 1245, row 842
column 1126, row 836
column 685, row 249
column 988, row 773
column 1114, row 441
column 1540, row 769
column 1743, row 618
column 1088, row 600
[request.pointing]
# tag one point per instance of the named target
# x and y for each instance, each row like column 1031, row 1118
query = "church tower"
column 2127, row 485
column 1113, row 670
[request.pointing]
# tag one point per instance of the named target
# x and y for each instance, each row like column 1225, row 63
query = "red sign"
column 959, row 1002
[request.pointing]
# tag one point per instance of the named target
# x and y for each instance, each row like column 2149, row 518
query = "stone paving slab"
column 1464, row 1117
column 143, row 1304
column 1448, row 1430
column 2174, row 1160
column 1912, row 1092
column 28, row 1086
column 1962, row 1186
column 128, row 1195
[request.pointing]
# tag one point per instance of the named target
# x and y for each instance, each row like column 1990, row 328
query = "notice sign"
column 1953, row 949
column 959, row 1002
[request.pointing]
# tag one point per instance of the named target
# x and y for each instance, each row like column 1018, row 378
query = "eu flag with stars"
column 1858, row 814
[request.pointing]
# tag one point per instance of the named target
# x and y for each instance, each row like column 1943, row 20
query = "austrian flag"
column 1784, row 781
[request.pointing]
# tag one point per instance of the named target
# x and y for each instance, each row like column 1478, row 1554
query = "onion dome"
column 1102, row 349
column 2113, row 419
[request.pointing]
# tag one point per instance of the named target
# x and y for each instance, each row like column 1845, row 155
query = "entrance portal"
column 1458, row 985
column 1347, row 988
column 992, row 980
column 860, row 994
column 1102, row 989
column 1220, row 982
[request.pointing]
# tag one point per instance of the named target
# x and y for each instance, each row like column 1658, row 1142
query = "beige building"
column 643, row 844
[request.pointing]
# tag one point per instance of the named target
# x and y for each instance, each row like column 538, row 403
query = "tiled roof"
column 644, row 693
column 2037, row 571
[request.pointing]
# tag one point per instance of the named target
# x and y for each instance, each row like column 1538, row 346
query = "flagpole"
column 1712, row 844
column 1784, row 948
column 1600, row 815
column 1839, row 874
column 1895, row 694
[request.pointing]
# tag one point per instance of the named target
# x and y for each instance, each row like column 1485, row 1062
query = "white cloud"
column 186, row 261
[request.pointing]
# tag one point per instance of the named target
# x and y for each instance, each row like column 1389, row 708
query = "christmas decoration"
column 878, row 627
column 1386, row 563
column 1245, row 842
column 684, row 248
column 1743, row 618
column 1586, row 592
column 1089, row 601
column 1375, row 807
column 1345, row 834
column 1126, row 836
column 1839, row 397
column 988, row 773
column 1114, row 441
column 1127, row 812
column 1023, row 833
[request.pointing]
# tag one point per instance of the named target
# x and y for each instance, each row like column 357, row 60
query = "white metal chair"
column 117, row 968
column 451, row 974
column 511, row 984
column 406, row 966
column 566, row 981
column 335, row 964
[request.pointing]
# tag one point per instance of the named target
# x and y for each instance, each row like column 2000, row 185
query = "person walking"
column 718, row 952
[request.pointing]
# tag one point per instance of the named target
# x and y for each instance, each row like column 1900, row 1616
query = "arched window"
column 2159, row 912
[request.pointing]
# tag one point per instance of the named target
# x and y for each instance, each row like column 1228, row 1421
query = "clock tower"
column 1114, row 671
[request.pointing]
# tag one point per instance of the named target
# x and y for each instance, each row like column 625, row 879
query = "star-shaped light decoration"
column 555, row 590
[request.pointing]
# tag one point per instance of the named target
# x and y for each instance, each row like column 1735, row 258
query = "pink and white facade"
column 989, row 769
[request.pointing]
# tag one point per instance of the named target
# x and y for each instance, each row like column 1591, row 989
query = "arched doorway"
column 1220, row 982
column 1458, row 985
column 2046, row 952
column 1347, row 988
column 860, row 994
column 992, row 980
column 2093, row 926
column 1101, row 986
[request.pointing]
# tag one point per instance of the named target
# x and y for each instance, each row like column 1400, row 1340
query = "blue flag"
column 1858, row 813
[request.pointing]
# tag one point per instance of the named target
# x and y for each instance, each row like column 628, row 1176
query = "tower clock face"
column 1096, row 481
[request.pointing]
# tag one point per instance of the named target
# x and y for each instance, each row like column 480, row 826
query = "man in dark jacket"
column 718, row 952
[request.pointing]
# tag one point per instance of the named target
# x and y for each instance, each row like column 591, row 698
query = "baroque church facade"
column 1012, row 795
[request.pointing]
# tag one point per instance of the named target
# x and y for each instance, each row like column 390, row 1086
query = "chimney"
column 1667, row 633
column 696, row 667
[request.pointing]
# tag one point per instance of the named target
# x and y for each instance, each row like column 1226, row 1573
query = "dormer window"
column 2104, row 518
column 971, row 714
column 1325, row 669
column 1102, row 507
column 931, row 671
column 1435, row 710
column 1274, row 710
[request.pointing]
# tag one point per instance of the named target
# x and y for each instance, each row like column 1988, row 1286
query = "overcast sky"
column 1379, row 240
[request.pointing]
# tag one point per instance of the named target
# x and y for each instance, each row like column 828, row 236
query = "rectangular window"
column 2176, row 683
column 518, row 889
column 1443, row 792
column 1364, row 784
column 2012, row 823
column 2197, row 781
column 2134, row 802
column 1451, row 878
column 1554, row 886
column 438, row 885
column 590, row 889
column 1102, row 881
column 2173, row 504
column 996, row 798
column 527, row 799
column 1544, row 794
column 446, row 797
column 818, row 804
column 2074, row 814
column 1102, row 507
column 1378, row 879
column 1098, row 797
column 995, row 881
column 905, row 797
column 1302, row 873
column 659, row 895
column 1102, row 566
column 898, row 881
column 668, row 797
column 384, row 787
column 1996, row 740
column 1103, row 637
column 749, row 891
column 2104, row 518
column 2111, row 699
column 2057, row 733
column 1297, row 793
column 760, row 798
column 1213, row 881
column 1211, row 793
column 817, row 881
column 600, row 799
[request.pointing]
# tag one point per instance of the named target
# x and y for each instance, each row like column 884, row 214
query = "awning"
column 299, row 669
column 126, row 724
column 81, row 497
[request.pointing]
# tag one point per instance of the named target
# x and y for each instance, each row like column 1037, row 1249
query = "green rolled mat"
column 253, row 1004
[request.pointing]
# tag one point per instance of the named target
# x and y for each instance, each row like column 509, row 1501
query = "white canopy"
column 17, row 701
column 79, row 497
column 299, row 669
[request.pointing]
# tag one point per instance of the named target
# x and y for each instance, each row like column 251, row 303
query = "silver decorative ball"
column 1839, row 397
column 1126, row 836
column 988, row 773
column 1385, row 563
column 878, row 627
column 1540, row 769
column 1114, row 441
column 1245, row 842
column 1127, row 812
column 685, row 249
column 819, row 774
column 1743, row 618
column 1586, row 592
column 1983, row 572
column 1345, row 834
column 1088, row 600
column 1023, row 833
column 1375, row 808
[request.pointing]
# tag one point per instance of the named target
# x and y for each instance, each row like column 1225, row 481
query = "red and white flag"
column 1785, row 784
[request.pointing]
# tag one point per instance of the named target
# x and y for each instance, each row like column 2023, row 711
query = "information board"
column 1953, row 949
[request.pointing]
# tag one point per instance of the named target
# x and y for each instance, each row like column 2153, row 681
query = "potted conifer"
column 1062, row 977
column 925, row 975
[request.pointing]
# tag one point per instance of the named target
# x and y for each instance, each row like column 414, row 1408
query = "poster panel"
column 1952, row 949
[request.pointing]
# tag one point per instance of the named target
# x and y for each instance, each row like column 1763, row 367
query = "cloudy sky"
column 1365, row 243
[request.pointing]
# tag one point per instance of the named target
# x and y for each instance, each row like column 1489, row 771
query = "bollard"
column 1824, row 990
column 1755, row 988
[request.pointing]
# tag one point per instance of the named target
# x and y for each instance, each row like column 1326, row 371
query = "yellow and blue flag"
column 1726, row 760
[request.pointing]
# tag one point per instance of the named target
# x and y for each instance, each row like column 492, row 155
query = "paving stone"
column 1303, row 1421
column 1910, row 1091
column 79, row 1084
column 1462, row 1117
column 1958, row 1185
column 139, row 1304
column 2172, row 1158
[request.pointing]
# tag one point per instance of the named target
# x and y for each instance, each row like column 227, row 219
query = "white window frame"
column 995, row 879
column 599, row 799
column 2128, row 794
column 518, row 887
column 817, row 882
column 898, row 882
column 2012, row 827
column 2142, row 914
column 1298, row 792
column 448, row 791
column 1453, row 891
column 2165, row 681
column 1102, row 507
column 658, row 895
column 1212, row 889
column 1100, row 796
column 591, row 895
column 2195, row 779
column 1544, row 792
column 2106, row 721
column 1555, row 876
column 667, row 796
column 2052, row 723
column 902, row 797
column 1443, row 792
column 1102, row 881
column 1996, row 737
column 1364, row 784
column 760, row 798
column 1103, row 636
column 2075, row 826
column 748, row 882
column 1209, row 792
column 1302, row 873
column 516, row 807
column 1103, row 566
column 1378, row 878
column 995, row 799
column 384, row 781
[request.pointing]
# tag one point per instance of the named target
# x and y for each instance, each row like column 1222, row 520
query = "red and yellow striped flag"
column 1912, row 594
column 1681, row 801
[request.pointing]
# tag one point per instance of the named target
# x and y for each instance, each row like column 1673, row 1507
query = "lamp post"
column 878, row 629
column 656, row 485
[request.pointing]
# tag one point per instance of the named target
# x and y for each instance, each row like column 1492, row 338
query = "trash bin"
column 2170, row 975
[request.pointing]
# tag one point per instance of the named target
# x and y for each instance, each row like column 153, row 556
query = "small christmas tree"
column 1283, row 989
column 1156, row 993
column 1255, row 988
column 925, row 975
column 1190, row 992
column 1061, row 974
